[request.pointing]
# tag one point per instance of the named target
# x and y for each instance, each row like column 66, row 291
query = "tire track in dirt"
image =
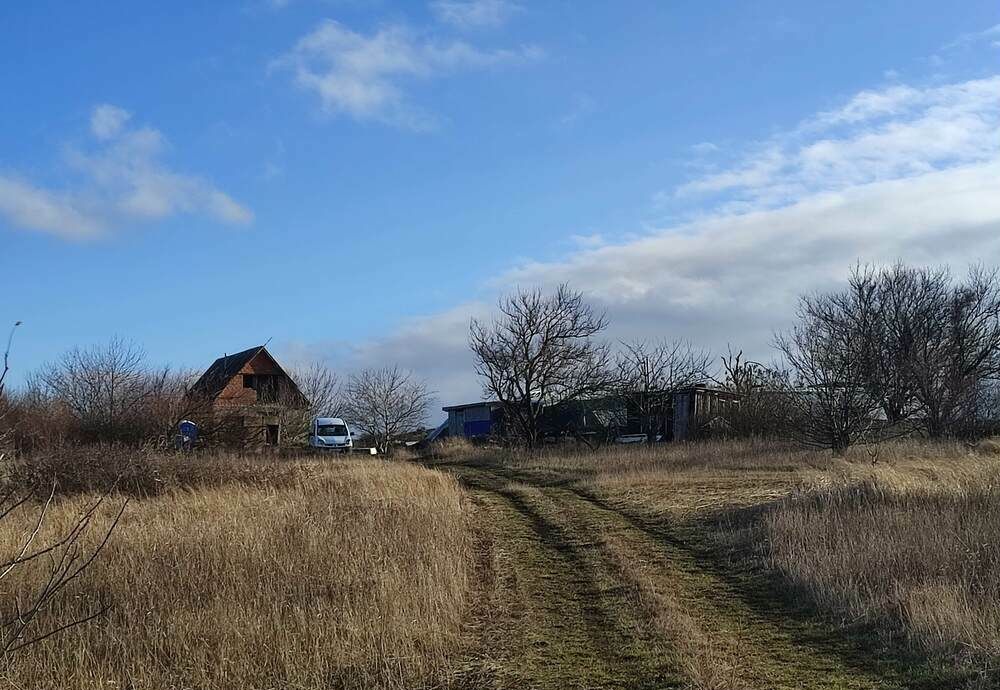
column 672, row 609
column 735, row 647
column 567, row 629
column 793, row 646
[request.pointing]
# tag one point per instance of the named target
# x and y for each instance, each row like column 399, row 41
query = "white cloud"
column 704, row 148
column 474, row 14
column 972, row 38
column 107, row 121
column 747, row 267
column 868, row 105
column 119, row 178
column 591, row 241
column 28, row 206
column 898, row 132
column 363, row 76
column 895, row 174
column 434, row 347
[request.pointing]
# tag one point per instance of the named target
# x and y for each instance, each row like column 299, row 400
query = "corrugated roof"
column 489, row 403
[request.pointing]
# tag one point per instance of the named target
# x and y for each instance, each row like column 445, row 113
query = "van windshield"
column 331, row 430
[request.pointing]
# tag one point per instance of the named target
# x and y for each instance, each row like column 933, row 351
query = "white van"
column 331, row 433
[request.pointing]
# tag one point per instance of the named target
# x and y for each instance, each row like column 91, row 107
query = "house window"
column 267, row 389
column 267, row 386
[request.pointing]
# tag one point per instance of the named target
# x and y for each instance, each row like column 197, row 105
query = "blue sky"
column 355, row 179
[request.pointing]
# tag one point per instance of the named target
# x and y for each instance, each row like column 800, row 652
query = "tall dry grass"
column 354, row 574
column 913, row 548
column 682, row 478
column 910, row 545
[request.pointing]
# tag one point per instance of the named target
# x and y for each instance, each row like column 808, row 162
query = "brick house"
column 246, row 399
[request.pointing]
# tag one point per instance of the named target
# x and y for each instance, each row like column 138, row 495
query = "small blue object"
column 477, row 428
column 187, row 434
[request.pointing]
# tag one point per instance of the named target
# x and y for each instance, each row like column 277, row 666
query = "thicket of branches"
column 325, row 396
column 105, row 393
column 111, row 394
column 62, row 558
column 901, row 350
column 385, row 403
column 647, row 375
column 762, row 393
column 540, row 352
column 6, row 408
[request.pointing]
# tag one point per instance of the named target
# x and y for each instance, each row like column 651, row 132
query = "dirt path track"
column 589, row 596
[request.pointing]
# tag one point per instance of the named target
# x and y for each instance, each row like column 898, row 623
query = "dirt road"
column 583, row 594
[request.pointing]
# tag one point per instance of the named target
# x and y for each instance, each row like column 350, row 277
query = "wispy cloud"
column 900, row 173
column 107, row 121
column 898, row 132
column 704, row 148
column 118, row 178
column 582, row 107
column 27, row 206
column 474, row 14
column 974, row 37
column 364, row 75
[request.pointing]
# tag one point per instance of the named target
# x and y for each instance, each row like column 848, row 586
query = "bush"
column 141, row 473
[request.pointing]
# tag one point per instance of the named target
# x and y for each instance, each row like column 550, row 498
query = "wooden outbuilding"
column 245, row 399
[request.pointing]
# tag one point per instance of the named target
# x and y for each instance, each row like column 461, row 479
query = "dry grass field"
column 764, row 565
column 910, row 545
column 713, row 566
column 343, row 574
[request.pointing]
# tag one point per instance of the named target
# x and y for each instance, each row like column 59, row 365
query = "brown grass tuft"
column 913, row 549
column 350, row 574
column 143, row 472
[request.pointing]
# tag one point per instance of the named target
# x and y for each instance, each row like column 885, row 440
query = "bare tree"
column 107, row 389
column 648, row 374
column 6, row 432
column 831, row 406
column 957, row 349
column 385, row 403
column 925, row 345
column 762, row 405
column 66, row 556
column 324, row 392
column 539, row 352
column 169, row 403
column 900, row 294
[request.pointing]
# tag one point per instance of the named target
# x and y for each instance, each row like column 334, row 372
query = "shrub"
column 142, row 472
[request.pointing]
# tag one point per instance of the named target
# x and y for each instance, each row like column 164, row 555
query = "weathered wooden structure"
column 245, row 399
column 680, row 415
column 473, row 420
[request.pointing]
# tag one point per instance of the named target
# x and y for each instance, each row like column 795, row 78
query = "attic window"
column 267, row 389
column 266, row 385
